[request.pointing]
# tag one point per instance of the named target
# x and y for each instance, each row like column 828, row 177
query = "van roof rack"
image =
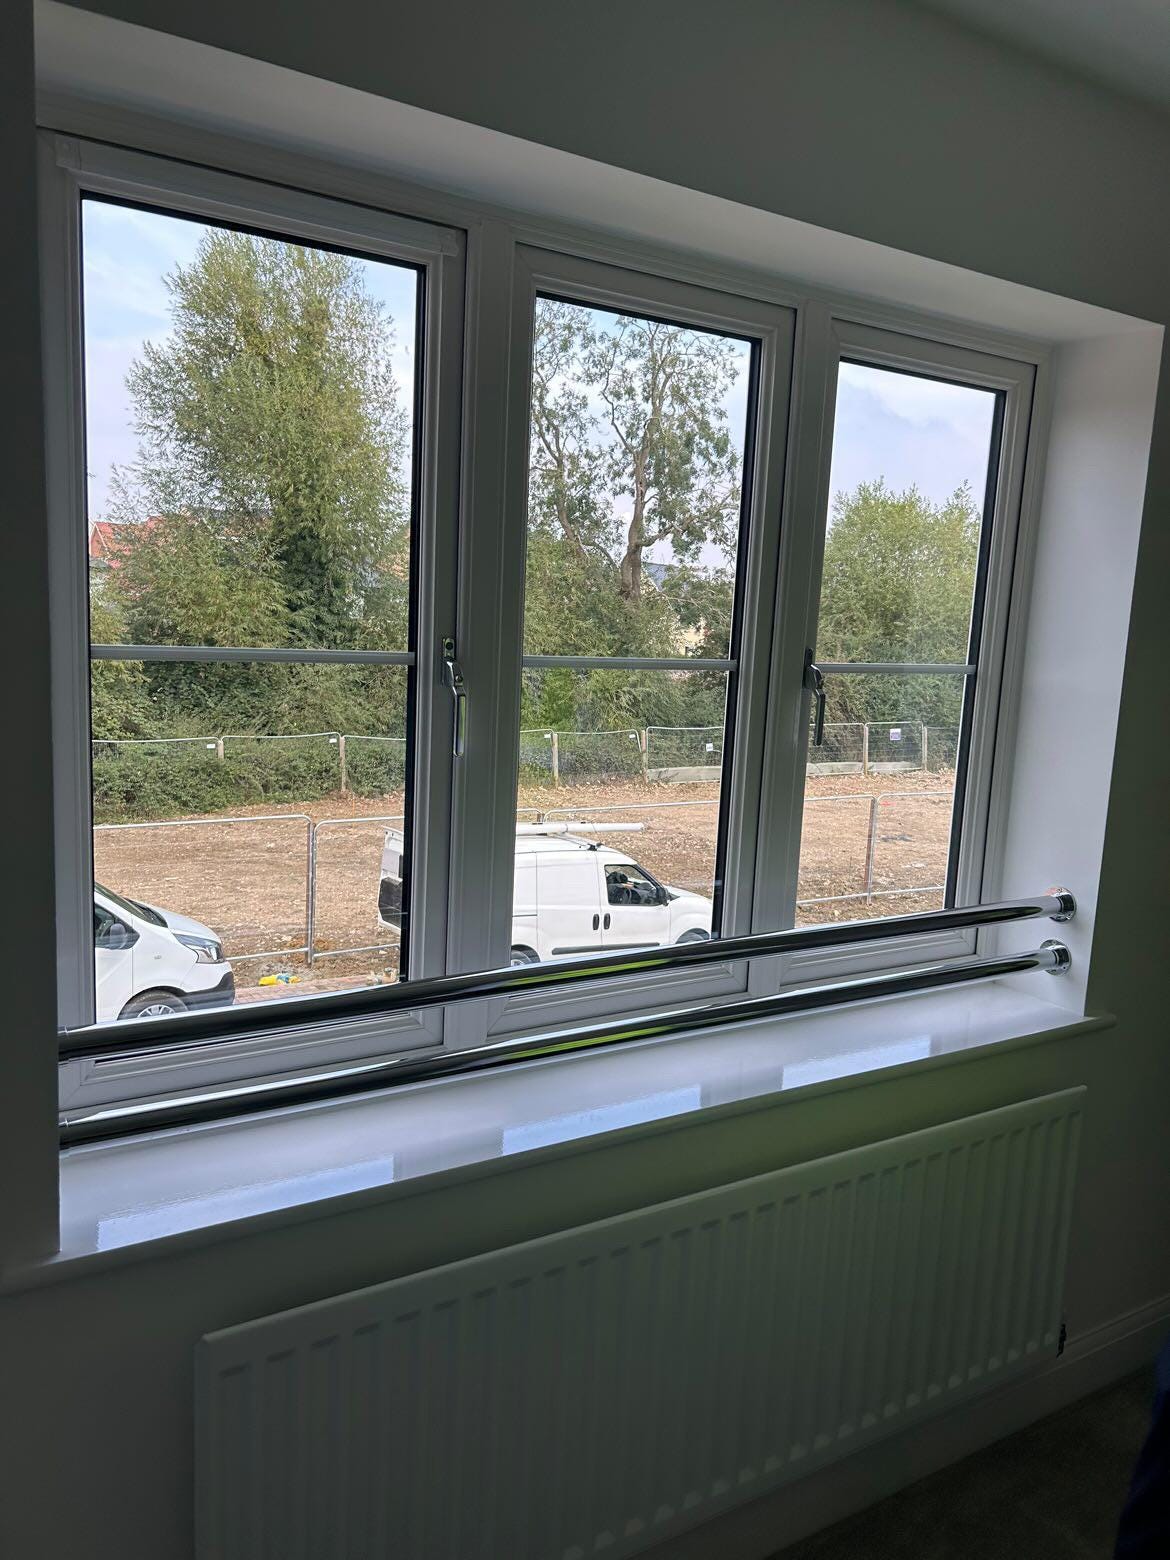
column 578, row 826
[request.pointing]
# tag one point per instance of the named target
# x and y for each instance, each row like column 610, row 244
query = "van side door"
column 569, row 902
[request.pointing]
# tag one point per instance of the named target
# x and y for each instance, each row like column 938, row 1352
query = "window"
column 917, row 550
column 252, row 560
column 912, row 498
column 627, row 884
column 638, row 497
column 402, row 632
column 249, row 411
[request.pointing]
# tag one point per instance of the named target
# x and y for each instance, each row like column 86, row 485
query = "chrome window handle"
column 814, row 681
column 453, row 677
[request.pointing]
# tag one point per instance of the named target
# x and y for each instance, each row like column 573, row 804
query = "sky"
column 911, row 431
column 905, row 429
column 126, row 256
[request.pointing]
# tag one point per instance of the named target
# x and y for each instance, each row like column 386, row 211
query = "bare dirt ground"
column 248, row 879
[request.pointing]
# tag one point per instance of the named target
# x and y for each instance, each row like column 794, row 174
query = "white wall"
column 867, row 116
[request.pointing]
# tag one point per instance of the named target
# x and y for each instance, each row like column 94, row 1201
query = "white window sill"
column 127, row 1199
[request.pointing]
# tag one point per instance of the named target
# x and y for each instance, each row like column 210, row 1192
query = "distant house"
column 106, row 542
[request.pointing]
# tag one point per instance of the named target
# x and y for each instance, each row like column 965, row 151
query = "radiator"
column 597, row 1390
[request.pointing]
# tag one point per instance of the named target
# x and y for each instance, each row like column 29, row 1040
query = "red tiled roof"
column 105, row 537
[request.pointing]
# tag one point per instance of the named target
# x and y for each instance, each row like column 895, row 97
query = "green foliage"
column 269, row 506
column 119, row 694
column 899, row 574
column 630, row 450
column 161, row 780
column 271, row 465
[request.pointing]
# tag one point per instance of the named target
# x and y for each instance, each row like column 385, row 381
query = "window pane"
column 879, row 800
column 913, row 464
column 622, row 781
column 252, row 830
column 635, row 485
column 249, row 406
column 909, row 477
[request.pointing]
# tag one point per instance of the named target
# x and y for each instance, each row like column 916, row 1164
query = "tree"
column 119, row 695
column 271, row 461
column 630, row 450
column 897, row 584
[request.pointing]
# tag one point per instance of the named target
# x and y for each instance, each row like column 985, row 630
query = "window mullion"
column 489, row 633
column 435, row 590
column 810, row 440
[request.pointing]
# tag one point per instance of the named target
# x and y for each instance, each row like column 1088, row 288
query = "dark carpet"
column 1051, row 1492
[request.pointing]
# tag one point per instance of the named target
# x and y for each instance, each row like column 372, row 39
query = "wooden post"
column 219, row 748
column 865, row 748
column 870, row 847
column 642, row 747
column 341, row 762
column 926, row 749
column 556, row 758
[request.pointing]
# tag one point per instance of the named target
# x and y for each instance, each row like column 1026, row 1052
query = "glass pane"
column 249, row 406
column 618, row 810
column 909, row 477
column 879, row 799
column 249, row 833
column 912, row 461
column 635, row 485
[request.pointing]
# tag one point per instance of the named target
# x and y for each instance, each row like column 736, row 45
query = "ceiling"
column 1123, row 44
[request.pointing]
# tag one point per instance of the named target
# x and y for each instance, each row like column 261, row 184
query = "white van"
column 574, row 895
column 149, row 962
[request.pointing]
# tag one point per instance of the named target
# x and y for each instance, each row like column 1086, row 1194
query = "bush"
column 161, row 780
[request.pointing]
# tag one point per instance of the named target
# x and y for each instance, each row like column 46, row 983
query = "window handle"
column 453, row 677
column 596, row 922
column 814, row 681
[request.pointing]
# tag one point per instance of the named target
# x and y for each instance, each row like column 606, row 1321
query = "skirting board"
column 1092, row 1361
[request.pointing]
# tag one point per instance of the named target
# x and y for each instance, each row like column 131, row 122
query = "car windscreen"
column 131, row 906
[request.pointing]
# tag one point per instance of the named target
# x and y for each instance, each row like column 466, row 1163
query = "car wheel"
column 521, row 956
column 153, row 1004
column 696, row 934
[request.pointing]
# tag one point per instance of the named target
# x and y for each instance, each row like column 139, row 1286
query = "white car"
column 573, row 895
column 150, row 962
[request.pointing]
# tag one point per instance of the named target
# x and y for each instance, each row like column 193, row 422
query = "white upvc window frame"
column 72, row 169
column 473, row 519
column 829, row 336
column 770, row 328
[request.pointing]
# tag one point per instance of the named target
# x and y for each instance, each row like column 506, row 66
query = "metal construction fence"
column 372, row 765
column 345, row 761
column 217, row 771
column 878, row 847
column 696, row 752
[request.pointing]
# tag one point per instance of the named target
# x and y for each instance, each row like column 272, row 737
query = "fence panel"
column 911, row 849
column 538, row 755
column 246, row 878
column 137, row 777
column 894, row 745
column 599, row 755
column 940, row 747
column 282, row 765
column 697, row 748
column 343, row 896
column 841, row 752
column 372, row 766
column 834, row 855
